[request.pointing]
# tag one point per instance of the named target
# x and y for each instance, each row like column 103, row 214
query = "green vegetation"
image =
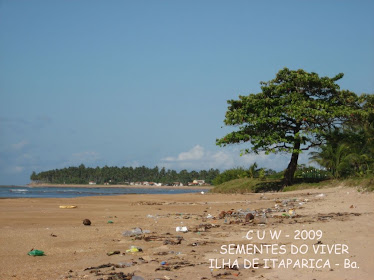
column 293, row 112
column 349, row 150
column 240, row 172
column 248, row 185
column 228, row 175
column 242, row 185
column 120, row 175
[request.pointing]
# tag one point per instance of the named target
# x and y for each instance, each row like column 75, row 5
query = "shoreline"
column 113, row 186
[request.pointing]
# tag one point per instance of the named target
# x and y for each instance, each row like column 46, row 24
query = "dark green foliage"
column 230, row 174
column 121, row 175
column 269, row 186
column 346, row 153
column 291, row 114
column 349, row 150
column 239, row 172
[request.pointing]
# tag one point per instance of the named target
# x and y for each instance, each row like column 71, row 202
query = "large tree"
column 292, row 113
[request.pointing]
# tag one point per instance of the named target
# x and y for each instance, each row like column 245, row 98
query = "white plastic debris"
column 135, row 232
column 181, row 229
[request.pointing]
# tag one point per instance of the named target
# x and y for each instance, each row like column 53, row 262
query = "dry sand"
column 344, row 215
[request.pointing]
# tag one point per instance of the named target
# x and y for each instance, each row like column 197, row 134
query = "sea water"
column 66, row 192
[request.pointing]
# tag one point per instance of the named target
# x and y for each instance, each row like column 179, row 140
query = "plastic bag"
column 36, row 253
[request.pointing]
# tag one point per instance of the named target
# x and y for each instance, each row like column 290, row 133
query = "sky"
column 133, row 83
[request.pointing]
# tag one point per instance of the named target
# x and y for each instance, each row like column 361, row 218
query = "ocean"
column 66, row 192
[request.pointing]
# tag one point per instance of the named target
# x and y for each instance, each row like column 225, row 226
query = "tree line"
column 121, row 175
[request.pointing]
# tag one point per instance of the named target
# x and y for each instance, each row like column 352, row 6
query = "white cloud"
column 198, row 158
column 195, row 153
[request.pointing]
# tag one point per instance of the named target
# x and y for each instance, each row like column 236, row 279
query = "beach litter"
column 174, row 266
column 134, row 249
column 167, row 239
column 263, row 219
column 181, row 229
column 135, row 232
column 113, row 275
column 36, row 253
column 86, row 222
column 202, row 243
column 126, row 264
column 110, row 222
column 172, row 242
column 113, row 253
column 68, row 206
column 120, row 265
column 249, row 217
column 204, row 227
column 292, row 212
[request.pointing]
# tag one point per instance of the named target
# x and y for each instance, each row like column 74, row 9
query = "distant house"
column 197, row 183
column 92, row 183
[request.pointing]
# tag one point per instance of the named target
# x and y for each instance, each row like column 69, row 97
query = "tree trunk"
column 291, row 168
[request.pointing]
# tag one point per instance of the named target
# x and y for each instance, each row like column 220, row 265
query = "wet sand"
column 74, row 251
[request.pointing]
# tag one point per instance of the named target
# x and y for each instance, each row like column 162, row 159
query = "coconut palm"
column 335, row 158
column 252, row 171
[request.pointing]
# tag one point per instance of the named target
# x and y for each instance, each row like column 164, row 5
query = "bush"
column 230, row 174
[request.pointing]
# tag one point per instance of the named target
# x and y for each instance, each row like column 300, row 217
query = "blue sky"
column 133, row 83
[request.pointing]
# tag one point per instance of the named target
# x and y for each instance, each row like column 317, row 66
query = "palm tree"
column 335, row 158
column 252, row 171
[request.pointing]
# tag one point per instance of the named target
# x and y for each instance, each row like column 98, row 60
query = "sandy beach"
column 332, row 230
